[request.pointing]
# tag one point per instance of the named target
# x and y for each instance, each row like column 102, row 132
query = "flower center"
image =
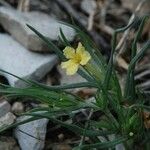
column 77, row 58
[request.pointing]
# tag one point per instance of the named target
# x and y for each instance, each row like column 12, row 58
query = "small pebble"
column 17, row 108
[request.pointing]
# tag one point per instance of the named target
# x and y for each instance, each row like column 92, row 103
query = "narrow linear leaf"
column 110, row 63
column 2, row 129
column 63, row 37
column 24, row 80
column 141, row 106
column 62, row 87
column 104, row 145
column 50, row 44
column 76, row 129
column 132, row 65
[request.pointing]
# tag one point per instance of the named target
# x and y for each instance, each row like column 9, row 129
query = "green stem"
column 126, row 145
column 94, row 70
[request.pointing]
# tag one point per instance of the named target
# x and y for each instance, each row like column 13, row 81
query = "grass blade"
column 49, row 43
column 103, row 145
column 76, row 129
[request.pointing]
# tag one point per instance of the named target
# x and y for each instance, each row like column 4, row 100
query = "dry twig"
column 91, row 20
column 120, row 48
column 125, row 35
column 24, row 5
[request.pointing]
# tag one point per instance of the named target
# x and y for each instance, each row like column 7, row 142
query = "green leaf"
column 74, row 128
column 140, row 106
column 66, row 86
column 131, row 67
column 137, row 37
column 50, row 44
column 110, row 63
column 103, row 145
column 116, row 87
column 130, row 89
column 2, row 129
column 24, row 80
column 64, row 39
column 83, row 73
column 44, row 96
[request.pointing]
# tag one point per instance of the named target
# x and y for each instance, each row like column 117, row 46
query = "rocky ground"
column 25, row 55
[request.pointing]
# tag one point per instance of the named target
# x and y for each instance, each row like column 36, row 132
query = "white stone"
column 4, row 107
column 7, row 119
column 119, row 146
column 65, row 79
column 31, row 136
column 15, row 22
column 17, row 108
column 15, row 59
column 88, row 6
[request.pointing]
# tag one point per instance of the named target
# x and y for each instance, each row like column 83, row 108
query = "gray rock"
column 91, row 100
column 4, row 107
column 17, row 108
column 31, row 136
column 7, row 119
column 65, row 79
column 15, row 59
column 8, row 143
column 88, row 6
column 15, row 22
column 120, row 147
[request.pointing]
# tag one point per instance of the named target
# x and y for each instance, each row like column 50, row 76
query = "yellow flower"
column 76, row 57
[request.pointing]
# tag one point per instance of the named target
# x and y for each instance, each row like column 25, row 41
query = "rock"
column 15, row 59
column 88, row 6
column 4, row 107
column 120, row 147
column 134, row 3
column 31, row 136
column 8, row 143
column 51, row 78
column 15, row 22
column 17, row 108
column 65, row 79
column 91, row 100
column 7, row 119
column 61, row 147
column 50, row 7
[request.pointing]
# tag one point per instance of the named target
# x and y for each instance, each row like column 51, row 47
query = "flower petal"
column 65, row 64
column 71, row 67
column 80, row 49
column 85, row 57
column 69, row 52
